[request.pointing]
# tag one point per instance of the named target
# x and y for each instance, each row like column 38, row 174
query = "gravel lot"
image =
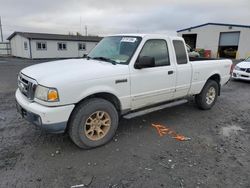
column 216, row 156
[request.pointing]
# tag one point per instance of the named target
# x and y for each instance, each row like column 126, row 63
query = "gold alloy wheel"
column 97, row 125
column 210, row 97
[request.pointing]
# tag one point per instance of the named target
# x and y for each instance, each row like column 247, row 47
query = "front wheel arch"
column 102, row 95
column 82, row 112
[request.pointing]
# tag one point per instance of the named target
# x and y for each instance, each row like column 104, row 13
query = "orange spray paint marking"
column 162, row 130
column 181, row 138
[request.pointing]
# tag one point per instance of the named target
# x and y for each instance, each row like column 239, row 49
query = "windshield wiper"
column 105, row 59
column 86, row 56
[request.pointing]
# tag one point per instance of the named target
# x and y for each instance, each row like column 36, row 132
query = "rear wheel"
column 208, row 96
column 93, row 123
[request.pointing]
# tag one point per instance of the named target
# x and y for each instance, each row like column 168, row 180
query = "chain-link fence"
column 5, row 49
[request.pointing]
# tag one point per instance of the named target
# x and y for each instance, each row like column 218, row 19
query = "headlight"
column 236, row 68
column 46, row 94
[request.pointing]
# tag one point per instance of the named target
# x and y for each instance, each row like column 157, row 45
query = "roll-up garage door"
column 228, row 44
column 229, row 39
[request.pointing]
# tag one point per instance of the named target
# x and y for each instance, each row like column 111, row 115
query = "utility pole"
column 86, row 30
column 81, row 25
column 1, row 30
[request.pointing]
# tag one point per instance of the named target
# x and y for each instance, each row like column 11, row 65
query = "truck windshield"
column 248, row 59
column 115, row 49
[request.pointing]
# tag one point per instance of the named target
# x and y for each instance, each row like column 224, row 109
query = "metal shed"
column 224, row 40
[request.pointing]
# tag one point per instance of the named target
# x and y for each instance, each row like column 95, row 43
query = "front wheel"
column 208, row 96
column 93, row 123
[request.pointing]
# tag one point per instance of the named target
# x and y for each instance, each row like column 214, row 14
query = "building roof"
column 218, row 24
column 48, row 36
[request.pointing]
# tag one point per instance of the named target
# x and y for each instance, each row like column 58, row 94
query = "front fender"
column 97, row 89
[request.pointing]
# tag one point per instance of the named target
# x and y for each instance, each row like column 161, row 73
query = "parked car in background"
column 230, row 52
column 242, row 70
column 192, row 52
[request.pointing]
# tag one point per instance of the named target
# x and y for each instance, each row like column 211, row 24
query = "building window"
column 41, row 46
column 81, row 46
column 61, row 46
column 25, row 45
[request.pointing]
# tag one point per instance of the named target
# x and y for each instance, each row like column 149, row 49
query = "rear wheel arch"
column 208, row 96
column 217, row 79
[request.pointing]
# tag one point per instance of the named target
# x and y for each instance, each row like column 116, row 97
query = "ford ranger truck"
column 123, row 76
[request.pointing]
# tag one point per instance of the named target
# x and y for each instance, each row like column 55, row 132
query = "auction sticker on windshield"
column 128, row 39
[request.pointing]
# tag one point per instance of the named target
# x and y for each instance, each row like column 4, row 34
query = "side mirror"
column 85, row 55
column 145, row 62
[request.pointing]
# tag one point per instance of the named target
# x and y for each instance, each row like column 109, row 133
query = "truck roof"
column 143, row 35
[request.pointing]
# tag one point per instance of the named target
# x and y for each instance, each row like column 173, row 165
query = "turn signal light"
column 53, row 95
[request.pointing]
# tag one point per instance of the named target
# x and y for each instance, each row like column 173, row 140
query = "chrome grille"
column 248, row 70
column 27, row 86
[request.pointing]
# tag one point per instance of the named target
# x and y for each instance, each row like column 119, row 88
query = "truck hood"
column 50, row 73
column 244, row 65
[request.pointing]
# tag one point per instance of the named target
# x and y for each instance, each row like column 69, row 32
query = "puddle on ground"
column 230, row 130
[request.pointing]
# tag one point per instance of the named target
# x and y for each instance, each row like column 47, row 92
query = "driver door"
column 156, row 84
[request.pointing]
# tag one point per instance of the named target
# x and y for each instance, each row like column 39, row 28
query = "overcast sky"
column 115, row 16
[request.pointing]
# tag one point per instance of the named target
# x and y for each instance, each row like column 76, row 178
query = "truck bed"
column 205, row 68
column 202, row 59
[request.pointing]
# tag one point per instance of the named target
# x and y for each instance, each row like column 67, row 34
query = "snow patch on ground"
column 230, row 130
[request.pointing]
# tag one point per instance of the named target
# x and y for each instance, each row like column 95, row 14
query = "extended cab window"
column 157, row 49
column 180, row 51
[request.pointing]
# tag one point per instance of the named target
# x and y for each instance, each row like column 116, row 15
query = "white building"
column 224, row 40
column 42, row 45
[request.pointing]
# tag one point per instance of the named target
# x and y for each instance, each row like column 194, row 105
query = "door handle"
column 170, row 72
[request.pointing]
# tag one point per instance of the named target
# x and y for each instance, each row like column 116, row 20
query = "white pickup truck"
column 124, row 75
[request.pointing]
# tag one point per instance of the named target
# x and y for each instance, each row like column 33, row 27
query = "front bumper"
column 242, row 75
column 51, row 119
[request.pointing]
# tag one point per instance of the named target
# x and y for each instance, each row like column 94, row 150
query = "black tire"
column 201, row 99
column 232, row 79
column 81, row 114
